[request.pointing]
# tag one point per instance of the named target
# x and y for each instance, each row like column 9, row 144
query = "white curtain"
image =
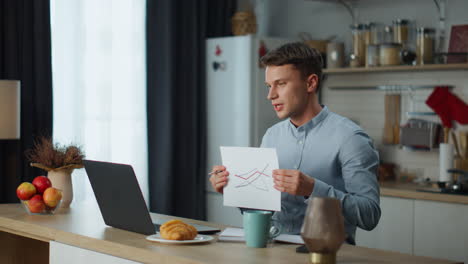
column 99, row 78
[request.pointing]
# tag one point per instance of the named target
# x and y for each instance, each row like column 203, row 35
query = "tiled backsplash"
column 367, row 108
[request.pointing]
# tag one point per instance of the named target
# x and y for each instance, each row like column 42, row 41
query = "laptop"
column 121, row 201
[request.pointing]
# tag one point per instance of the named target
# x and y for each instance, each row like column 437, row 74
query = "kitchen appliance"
column 238, row 112
column 421, row 134
column 459, row 185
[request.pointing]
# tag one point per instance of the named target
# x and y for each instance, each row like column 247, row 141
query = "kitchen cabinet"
column 395, row 229
column 441, row 230
column 63, row 253
column 78, row 235
column 421, row 228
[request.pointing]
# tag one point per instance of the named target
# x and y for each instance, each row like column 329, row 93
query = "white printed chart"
column 250, row 183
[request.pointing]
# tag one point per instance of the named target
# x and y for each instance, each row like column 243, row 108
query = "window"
column 99, row 78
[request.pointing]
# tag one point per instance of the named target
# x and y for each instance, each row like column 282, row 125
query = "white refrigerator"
column 237, row 106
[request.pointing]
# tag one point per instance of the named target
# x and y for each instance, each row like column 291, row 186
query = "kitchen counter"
column 81, row 227
column 410, row 191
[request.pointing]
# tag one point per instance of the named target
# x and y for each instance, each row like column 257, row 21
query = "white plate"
column 198, row 239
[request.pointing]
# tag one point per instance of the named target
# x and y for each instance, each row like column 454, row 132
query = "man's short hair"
column 304, row 58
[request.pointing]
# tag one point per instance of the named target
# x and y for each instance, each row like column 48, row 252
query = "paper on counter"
column 293, row 239
column 250, row 183
column 232, row 234
column 231, row 239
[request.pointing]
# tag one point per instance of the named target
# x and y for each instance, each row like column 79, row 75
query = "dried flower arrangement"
column 49, row 156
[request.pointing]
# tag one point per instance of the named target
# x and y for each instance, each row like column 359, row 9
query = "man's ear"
column 312, row 83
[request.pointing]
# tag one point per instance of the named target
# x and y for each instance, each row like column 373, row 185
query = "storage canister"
column 424, row 45
column 387, row 34
column 372, row 58
column 401, row 31
column 243, row 23
column 335, row 54
column 390, row 54
column 358, row 32
column 376, row 33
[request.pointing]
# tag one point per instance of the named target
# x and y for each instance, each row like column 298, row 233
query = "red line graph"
column 259, row 172
column 252, row 183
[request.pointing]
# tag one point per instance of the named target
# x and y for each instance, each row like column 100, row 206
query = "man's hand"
column 293, row 182
column 219, row 178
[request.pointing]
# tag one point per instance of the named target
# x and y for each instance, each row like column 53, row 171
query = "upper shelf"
column 405, row 68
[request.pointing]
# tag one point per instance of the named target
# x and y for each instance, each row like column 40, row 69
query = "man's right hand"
column 219, row 178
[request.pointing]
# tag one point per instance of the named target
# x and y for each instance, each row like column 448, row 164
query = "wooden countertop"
column 82, row 226
column 410, row 191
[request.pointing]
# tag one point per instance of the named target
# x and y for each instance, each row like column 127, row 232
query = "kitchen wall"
column 323, row 19
column 287, row 18
column 367, row 108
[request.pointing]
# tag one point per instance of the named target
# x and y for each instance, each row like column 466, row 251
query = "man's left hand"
column 293, row 182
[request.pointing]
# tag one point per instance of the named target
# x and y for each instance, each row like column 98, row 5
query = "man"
column 321, row 154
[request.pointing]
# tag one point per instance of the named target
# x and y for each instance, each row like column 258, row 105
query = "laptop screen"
column 119, row 196
column 120, row 199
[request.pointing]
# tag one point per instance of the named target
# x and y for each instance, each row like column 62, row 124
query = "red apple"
column 41, row 183
column 25, row 191
column 36, row 204
column 52, row 196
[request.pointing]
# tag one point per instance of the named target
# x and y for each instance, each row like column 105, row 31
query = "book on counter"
column 237, row 235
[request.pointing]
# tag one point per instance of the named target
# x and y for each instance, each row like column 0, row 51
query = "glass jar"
column 358, row 32
column 367, row 33
column 372, row 58
column 401, row 31
column 387, row 34
column 353, row 61
column 425, row 45
column 335, row 54
column 390, row 54
column 376, row 33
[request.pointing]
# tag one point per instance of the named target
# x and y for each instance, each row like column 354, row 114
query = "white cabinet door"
column 441, row 230
column 62, row 253
column 395, row 229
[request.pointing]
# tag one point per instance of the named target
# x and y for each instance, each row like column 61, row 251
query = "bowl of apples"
column 39, row 197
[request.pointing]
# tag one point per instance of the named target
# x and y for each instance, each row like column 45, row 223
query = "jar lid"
column 359, row 26
column 402, row 22
column 353, row 57
column 425, row 30
column 372, row 25
column 390, row 45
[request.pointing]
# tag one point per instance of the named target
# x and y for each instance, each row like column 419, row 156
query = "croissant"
column 177, row 230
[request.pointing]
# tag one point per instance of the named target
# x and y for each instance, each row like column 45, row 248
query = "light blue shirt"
column 341, row 158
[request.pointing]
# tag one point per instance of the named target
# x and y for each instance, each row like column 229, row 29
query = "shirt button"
column 300, row 141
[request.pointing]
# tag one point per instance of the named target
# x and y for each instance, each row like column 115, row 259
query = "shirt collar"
column 313, row 122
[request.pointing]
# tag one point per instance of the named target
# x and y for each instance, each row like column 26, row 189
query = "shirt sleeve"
column 361, row 201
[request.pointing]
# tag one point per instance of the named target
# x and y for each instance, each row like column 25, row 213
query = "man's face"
column 288, row 91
